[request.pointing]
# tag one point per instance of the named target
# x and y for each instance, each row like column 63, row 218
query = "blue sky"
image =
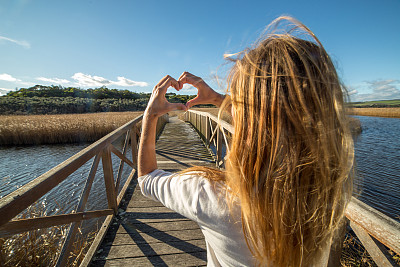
column 133, row 44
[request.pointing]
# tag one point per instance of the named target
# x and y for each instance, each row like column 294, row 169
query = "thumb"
column 193, row 102
column 177, row 106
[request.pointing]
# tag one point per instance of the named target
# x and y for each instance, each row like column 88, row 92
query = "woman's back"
column 288, row 174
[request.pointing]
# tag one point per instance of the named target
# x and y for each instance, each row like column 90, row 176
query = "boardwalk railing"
column 374, row 229
column 16, row 202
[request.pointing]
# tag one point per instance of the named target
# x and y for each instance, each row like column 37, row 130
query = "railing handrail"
column 17, row 201
column 364, row 219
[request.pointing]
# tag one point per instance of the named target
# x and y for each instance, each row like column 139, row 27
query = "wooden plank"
column 24, row 225
column 109, row 180
column 377, row 224
column 17, row 201
column 150, row 227
column 373, row 249
column 178, row 259
column 154, row 249
column 155, row 237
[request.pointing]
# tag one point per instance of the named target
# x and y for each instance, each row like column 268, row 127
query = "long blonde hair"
column 292, row 151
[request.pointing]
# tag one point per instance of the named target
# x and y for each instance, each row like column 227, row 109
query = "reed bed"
column 57, row 129
column 42, row 247
column 376, row 112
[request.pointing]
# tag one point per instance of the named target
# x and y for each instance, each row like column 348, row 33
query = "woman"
column 287, row 179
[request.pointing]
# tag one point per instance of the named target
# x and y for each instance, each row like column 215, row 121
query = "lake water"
column 377, row 156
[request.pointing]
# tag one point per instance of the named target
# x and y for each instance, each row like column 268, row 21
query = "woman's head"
column 292, row 152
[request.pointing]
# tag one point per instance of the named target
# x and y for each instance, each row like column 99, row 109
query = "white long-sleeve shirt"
column 204, row 202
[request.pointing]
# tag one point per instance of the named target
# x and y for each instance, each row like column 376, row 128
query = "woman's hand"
column 205, row 95
column 158, row 104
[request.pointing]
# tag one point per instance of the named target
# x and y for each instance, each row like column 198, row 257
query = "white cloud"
column 187, row 86
column 4, row 91
column 53, row 80
column 381, row 90
column 8, row 78
column 122, row 81
column 24, row 44
column 89, row 80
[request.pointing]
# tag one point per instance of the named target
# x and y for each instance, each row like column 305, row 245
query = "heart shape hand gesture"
column 158, row 104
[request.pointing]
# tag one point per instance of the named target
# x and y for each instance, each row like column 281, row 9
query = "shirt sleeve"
column 175, row 191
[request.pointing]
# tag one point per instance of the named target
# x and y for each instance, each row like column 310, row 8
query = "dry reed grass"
column 376, row 112
column 41, row 247
column 56, row 129
column 355, row 123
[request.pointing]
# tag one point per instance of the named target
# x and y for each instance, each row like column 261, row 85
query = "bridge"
column 139, row 231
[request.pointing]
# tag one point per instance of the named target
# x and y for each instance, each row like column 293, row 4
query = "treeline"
column 65, row 100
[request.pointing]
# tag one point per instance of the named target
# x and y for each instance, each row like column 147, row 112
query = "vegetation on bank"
column 57, row 129
column 376, row 104
column 65, row 100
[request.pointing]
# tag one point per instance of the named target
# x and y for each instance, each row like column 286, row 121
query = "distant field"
column 377, row 104
column 56, row 129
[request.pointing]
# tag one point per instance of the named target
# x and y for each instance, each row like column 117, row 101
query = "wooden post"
column 109, row 180
column 121, row 163
column 337, row 244
column 133, row 135
column 219, row 146
column 208, row 131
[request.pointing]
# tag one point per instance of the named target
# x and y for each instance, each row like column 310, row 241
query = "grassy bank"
column 376, row 112
column 56, row 129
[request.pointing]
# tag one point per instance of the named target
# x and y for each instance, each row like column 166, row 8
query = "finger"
column 189, row 78
column 168, row 83
column 183, row 74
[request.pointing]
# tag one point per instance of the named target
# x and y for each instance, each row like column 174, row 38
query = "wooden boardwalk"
column 145, row 233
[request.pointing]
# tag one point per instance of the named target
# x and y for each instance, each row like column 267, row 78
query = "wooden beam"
column 125, row 187
column 18, row 226
column 134, row 143
column 121, row 163
column 121, row 156
column 219, row 144
column 97, row 241
column 226, row 140
column 373, row 249
column 73, row 229
column 223, row 123
column 109, row 180
column 17, row 201
column 377, row 224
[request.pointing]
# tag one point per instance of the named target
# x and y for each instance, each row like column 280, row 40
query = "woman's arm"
column 158, row 106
